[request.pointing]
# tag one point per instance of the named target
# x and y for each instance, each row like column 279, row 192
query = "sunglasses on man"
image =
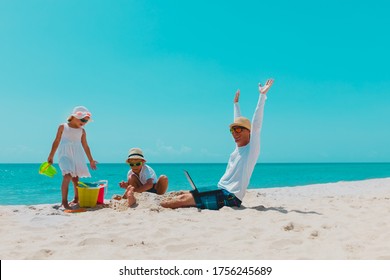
column 136, row 164
column 237, row 129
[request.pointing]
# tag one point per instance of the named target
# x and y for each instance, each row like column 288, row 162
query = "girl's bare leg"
column 64, row 190
column 75, row 181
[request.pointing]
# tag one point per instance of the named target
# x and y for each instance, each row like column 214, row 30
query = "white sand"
column 345, row 220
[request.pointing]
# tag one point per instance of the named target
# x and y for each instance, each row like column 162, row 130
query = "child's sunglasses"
column 84, row 120
column 136, row 164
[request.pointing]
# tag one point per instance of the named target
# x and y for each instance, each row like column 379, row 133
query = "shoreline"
column 335, row 221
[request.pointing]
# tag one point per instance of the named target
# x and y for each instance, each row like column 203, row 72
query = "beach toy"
column 47, row 169
column 90, row 193
column 87, row 196
column 78, row 210
column 100, row 199
column 103, row 184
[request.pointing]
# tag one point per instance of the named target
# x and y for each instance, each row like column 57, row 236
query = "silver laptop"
column 201, row 189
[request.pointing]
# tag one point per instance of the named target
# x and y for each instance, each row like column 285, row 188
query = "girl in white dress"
column 71, row 141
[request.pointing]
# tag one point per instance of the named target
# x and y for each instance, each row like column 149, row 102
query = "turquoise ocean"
column 21, row 184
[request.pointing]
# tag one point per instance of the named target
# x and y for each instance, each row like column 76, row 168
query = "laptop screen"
column 189, row 179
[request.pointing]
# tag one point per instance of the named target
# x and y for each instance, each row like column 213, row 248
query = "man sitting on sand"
column 141, row 177
column 234, row 183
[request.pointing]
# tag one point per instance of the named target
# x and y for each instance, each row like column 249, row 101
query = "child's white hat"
column 135, row 153
column 81, row 112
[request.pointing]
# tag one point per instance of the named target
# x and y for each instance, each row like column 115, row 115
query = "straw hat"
column 135, row 153
column 241, row 121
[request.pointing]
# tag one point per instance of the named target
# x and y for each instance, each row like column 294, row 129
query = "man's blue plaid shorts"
column 215, row 200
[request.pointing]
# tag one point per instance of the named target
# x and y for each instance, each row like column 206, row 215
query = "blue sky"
column 161, row 75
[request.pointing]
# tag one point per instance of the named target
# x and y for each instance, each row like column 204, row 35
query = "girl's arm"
column 56, row 142
column 84, row 143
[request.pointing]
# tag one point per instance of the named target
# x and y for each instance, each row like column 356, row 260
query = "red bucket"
column 103, row 184
column 100, row 199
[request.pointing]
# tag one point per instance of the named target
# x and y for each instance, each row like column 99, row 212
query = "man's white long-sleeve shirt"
column 243, row 159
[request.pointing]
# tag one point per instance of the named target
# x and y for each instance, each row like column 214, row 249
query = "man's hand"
column 264, row 89
column 237, row 97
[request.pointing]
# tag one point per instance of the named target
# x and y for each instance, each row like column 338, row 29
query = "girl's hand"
column 50, row 160
column 93, row 164
column 264, row 89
